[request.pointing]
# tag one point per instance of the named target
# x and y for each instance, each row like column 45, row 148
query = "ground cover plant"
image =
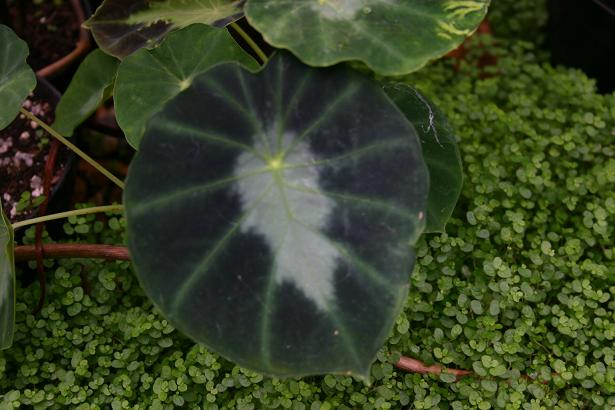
column 520, row 285
column 519, row 290
column 310, row 185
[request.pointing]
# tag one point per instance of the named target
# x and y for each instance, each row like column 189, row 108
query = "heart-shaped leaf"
column 7, row 282
column 121, row 27
column 148, row 79
column 271, row 216
column 392, row 37
column 440, row 151
column 90, row 86
column 16, row 78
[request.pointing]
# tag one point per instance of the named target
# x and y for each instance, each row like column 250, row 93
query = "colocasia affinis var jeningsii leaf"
column 16, row 78
column 91, row 85
column 272, row 216
column 7, row 282
column 392, row 37
column 440, row 151
column 121, row 27
column 171, row 67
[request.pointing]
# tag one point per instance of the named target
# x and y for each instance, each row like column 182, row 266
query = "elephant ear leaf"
column 440, row 151
column 172, row 67
column 17, row 79
column 91, row 85
column 392, row 37
column 272, row 216
column 121, row 27
column 7, row 282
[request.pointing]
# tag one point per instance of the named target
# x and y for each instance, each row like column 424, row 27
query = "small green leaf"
column 271, row 216
column 7, row 282
column 489, row 385
column 448, row 378
column 392, row 37
column 17, row 79
column 91, row 85
column 171, row 68
column 440, row 152
column 120, row 27
column 476, row 307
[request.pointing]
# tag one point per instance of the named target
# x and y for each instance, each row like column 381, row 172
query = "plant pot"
column 36, row 30
column 23, row 157
column 103, row 139
column 582, row 35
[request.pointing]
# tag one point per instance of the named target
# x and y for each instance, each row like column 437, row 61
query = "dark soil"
column 50, row 30
column 23, row 153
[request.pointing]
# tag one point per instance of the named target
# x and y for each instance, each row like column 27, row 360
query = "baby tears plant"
column 271, row 211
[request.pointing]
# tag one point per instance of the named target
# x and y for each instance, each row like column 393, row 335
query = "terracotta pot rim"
column 83, row 45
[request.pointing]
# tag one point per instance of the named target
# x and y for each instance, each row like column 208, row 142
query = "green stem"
column 76, row 212
column 250, row 42
column 73, row 147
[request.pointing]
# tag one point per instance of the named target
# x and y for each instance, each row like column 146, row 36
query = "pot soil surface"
column 23, row 153
column 50, row 30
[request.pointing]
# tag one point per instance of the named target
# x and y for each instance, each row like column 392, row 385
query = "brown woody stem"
column 416, row 366
column 73, row 250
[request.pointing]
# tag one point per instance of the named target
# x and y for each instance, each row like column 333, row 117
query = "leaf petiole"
column 74, row 148
column 259, row 52
column 76, row 212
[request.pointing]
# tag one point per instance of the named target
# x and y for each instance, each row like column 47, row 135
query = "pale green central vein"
column 248, row 97
column 370, row 35
column 234, row 103
column 279, row 86
column 150, row 204
column 165, row 68
column 370, row 272
column 366, row 202
column 293, row 100
column 203, row 266
column 355, row 154
column 279, row 182
column 179, row 129
column 339, row 327
column 268, row 306
column 325, row 115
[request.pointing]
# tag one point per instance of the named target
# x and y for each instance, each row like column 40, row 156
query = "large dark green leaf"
column 90, row 86
column 272, row 216
column 391, row 36
column 16, row 77
column 7, row 282
column 121, row 27
column 148, row 79
column 440, row 151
